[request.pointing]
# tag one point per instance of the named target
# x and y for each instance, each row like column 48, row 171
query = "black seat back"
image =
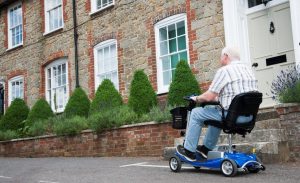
column 244, row 104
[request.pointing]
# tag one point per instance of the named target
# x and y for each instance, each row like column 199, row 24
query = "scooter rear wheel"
column 175, row 164
column 229, row 168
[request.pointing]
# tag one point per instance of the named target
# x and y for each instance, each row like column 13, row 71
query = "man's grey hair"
column 232, row 52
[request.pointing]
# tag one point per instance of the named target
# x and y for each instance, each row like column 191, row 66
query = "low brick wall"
column 290, row 121
column 147, row 139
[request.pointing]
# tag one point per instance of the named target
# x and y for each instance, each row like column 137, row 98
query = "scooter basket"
column 179, row 115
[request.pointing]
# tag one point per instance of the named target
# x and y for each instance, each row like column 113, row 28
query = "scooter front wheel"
column 229, row 168
column 175, row 164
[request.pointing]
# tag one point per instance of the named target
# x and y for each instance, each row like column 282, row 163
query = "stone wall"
column 290, row 121
column 147, row 139
column 130, row 22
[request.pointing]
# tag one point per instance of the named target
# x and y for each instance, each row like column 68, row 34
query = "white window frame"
column 94, row 8
column 15, row 79
column 161, row 88
column 98, row 47
column 47, row 18
column 53, row 87
column 10, row 44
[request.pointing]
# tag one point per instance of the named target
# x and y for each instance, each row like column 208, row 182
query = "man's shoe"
column 190, row 156
column 203, row 151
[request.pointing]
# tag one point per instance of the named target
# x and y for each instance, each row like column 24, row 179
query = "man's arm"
column 207, row 96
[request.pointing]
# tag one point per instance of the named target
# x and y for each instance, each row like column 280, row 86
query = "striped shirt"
column 231, row 80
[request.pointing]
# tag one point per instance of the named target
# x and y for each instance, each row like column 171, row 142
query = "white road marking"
column 136, row 164
column 4, row 177
column 43, row 181
column 143, row 164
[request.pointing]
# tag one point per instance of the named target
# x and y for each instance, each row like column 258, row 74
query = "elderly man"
column 233, row 78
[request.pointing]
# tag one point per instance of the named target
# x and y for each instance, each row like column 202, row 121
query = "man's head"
column 229, row 54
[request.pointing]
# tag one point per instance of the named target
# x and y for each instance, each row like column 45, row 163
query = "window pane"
column 64, row 68
column 172, row 45
column 252, row 3
column 114, row 79
column 100, row 61
column 180, row 28
column 164, row 48
column 174, row 60
column 183, row 56
column 167, row 77
column 172, row 31
column 165, row 63
column 181, row 43
column 163, row 34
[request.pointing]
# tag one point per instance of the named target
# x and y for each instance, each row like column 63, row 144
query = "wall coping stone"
column 85, row 131
column 286, row 108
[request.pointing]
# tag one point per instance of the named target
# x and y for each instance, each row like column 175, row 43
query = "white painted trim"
column 14, row 79
column 263, row 7
column 295, row 14
column 47, row 31
column 8, row 26
column 99, row 46
column 94, row 9
column 54, row 63
column 167, row 21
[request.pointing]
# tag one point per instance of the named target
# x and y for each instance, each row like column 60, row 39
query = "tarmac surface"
column 129, row 170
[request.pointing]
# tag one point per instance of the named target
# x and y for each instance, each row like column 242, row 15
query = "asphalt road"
column 128, row 170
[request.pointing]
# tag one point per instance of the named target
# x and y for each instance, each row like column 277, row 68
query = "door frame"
column 236, row 27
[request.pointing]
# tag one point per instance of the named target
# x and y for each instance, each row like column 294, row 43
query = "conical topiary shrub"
column 106, row 97
column 142, row 96
column 184, row 83
column 40, row 110
column 78, row 104
column 16, row 113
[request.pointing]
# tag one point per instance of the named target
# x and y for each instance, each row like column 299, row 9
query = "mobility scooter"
column 224, row 158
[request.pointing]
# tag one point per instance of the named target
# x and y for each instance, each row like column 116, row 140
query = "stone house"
column 48, row 47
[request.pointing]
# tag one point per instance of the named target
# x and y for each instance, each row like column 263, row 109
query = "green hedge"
column 142, row 96
column 41, row 110
column 106, row 97
column 70, row 126
column 78, row 104
column 184, row 83
column 16, row 113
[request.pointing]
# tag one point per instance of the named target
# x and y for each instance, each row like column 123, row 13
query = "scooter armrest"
column 209, row 103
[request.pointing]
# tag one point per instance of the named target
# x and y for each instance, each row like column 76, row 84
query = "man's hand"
column 194, row 98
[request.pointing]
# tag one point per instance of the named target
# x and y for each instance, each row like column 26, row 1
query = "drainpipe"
column 75, row 43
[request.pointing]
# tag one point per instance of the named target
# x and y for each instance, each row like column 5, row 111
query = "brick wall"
column 147, row 139
column 290, row 121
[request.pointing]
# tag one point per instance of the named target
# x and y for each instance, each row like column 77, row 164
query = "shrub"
column 286, row 86
column 106, row 97
column 159, row 115
column 41, row 110
column 142, row 96
column 78, row 104
column 70, row 126
column 39, row 127
column 184, row 83
column 16, row 113
column 8, row 135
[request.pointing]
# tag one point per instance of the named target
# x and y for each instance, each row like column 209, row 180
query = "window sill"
column 53, row 31
column 101, row 9
column 15, row 47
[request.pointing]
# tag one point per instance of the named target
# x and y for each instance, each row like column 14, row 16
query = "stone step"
column 266, row 113
column 262, row 135
column 268, row 152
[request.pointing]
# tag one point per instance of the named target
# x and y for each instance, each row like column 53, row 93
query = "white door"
column 271, row 46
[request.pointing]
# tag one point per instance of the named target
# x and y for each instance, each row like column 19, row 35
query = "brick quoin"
column 11, row 75
column 24, row 20
column 191, row 16
column 88, row 6
column 66, row 18
column 5, row 28
column 42, row 13
column 93, row 41
column 51, row 58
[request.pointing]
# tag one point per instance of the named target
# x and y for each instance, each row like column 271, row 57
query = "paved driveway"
column 127, row 170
